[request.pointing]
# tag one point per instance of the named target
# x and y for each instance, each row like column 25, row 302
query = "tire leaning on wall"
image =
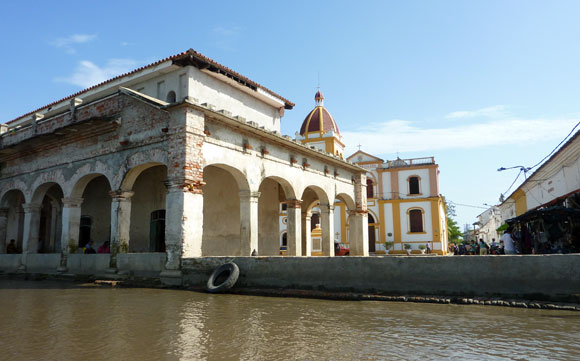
column 233, row 274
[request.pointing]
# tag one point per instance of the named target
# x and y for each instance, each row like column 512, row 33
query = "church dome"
column 319, row 119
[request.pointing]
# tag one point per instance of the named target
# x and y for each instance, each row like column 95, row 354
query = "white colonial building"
column 181, row 158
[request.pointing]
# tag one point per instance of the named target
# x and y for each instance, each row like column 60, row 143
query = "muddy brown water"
column 63, row 321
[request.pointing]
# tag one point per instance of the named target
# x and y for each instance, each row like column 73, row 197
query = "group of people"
column 104, row 248
column 506, row 245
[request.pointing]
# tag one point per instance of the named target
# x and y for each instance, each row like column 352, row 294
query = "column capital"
column 326, row 207
column 359, row 212
column 71, row 202
column 31, row 207
column 294, row 203
column 120, row 195
column 249, row 194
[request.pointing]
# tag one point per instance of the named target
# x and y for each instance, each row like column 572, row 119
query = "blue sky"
column 478, row 85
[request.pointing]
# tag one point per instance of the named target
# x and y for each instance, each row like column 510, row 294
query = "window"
column 171, row 97
column 414, row 185
column 370, row 190
column 157, row 231
column 416, row 220
column 85, row 230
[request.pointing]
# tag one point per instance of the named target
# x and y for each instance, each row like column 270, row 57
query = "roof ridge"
column 178, row 56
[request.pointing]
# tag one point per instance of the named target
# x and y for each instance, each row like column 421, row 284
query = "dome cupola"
column 319, row 119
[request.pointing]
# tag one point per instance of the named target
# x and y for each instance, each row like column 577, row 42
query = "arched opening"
column 284, row 241
column 414, row 186
column 372, row 236
column 370, row 189
column 314, row 199
column 12, row 204
column 171, row 97
column 148, row 196
column 221, row 211
column 49, row 228
column 95, row 222
column 415, row 220
column 272, row 194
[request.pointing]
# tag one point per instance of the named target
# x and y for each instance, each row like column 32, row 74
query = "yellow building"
column 403, row 200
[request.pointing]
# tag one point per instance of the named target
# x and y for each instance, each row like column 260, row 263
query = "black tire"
column 229, row 282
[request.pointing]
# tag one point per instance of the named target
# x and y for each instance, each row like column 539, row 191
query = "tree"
column 454, row 233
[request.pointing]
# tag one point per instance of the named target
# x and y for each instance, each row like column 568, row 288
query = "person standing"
column 482, row 247
column 508, row 242
column 11, row 248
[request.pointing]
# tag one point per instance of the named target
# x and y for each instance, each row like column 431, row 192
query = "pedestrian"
column 11, row 248
column 428, row 248
column 104, row 248
column 89, row 248
column 482, row 247
column 508, row 242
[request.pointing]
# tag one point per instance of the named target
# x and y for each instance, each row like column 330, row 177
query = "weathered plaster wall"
column 97, row 205
column 149, row 196
column 268, row 213
column 535, row 275
column 221, row 213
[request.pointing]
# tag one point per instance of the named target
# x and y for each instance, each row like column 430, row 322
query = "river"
column 65, row 321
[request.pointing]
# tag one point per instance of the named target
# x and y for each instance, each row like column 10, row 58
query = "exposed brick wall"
column 141, row 124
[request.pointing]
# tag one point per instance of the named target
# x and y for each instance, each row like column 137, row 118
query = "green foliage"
column 389, row 244
column 422, row 246
column 407, row 246
column 454, row 233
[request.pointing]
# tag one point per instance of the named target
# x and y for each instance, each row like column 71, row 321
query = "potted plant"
column 408, row 248
column 422, row 248
column 388, row 246
column 72, row 246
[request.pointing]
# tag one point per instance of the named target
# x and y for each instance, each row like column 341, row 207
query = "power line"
column 466, row 205
column 558, row 146
column 514, row 182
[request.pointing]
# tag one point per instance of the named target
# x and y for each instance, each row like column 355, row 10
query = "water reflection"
column 44, row 320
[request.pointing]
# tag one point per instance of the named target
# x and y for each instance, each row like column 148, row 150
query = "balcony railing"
column 409, row 162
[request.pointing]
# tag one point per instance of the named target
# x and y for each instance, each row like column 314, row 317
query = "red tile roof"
column 189, row 57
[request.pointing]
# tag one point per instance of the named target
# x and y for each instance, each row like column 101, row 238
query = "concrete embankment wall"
column 85, row 264
column 555, row 277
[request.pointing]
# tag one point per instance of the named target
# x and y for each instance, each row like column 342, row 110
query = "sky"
column 477, row 85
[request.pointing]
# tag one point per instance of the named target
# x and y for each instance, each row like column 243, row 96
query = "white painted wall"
column 424, row 185
column 427, row 223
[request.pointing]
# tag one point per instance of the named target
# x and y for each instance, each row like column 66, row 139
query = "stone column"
column 31, row 228
column 120, row 225
column 183, row 224
column 294, row 226
column 358, row 221
column 358, row 233
column 71, row 222
column 3, row 225
column 327, row 225
column 249, row 222
column 306, row 235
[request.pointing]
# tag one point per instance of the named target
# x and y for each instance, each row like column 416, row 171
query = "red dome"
column 318, row 120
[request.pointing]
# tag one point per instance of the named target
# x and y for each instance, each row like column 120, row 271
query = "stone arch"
column 239, row 176
column 12, row 219
column 94, row 218
column 133, row 173
column 144, row 184
column 273, row 191
column 347, row 199
column 222, row 225
column 80, row 183
column 45, row 229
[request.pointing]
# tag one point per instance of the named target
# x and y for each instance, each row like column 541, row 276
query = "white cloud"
column 405, row 136
column 67, row 42
column 488, row 112
column 88, row 74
